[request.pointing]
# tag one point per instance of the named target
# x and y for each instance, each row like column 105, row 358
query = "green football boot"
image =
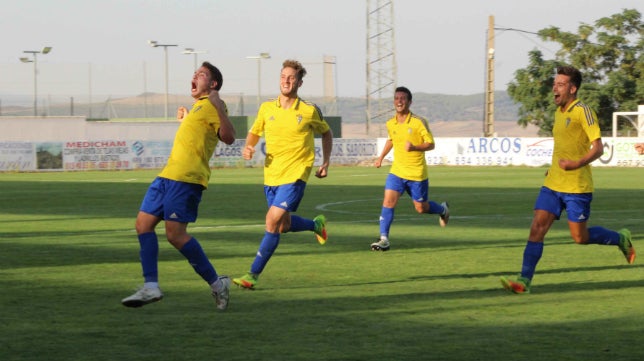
column 247, row 281
column 521, row 285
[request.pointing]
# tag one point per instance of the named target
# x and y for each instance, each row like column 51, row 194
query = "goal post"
column 635, row 118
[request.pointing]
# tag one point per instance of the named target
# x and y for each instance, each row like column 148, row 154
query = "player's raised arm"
column 226, row 129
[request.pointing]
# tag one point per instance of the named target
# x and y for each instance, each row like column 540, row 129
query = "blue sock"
column 299, row 224
column 386, row 218
column 435, row 208
column 266, row 248
column 531, row 256
column 601, row 235
column 149, row 254
column 198, row 260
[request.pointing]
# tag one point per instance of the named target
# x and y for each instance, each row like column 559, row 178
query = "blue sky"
column 101, row 46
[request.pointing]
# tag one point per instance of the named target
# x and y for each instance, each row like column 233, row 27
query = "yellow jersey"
column 289, row 133
column 409, row 165
column 194, row 143
column 573, row 131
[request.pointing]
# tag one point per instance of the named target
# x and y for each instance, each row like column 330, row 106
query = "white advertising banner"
column 350, row 151
column 150, row 154
column 17, row 156
column 116, row 154
column 620, row 152
column 345, row 152
column 231, row 155
column 97, row 155
column 533, row 152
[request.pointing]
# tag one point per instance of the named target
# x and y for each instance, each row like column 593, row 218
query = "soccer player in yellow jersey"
column 288, row 124
column 175, row 193
column 410, row 138
column 569, row 184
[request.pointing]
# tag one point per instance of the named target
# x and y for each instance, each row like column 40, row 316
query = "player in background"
column 569, row 184
column 175, row 193
column 288, row 124
column 410, row 137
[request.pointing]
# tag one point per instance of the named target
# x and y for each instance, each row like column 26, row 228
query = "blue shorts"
column 417, row 190
column 577, row 205
column 285, row 196
column 172, row 200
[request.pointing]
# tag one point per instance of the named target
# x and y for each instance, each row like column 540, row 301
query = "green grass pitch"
column 68, row 254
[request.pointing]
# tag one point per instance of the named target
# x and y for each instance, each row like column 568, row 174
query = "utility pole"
column 490, row 51
column 488, row 123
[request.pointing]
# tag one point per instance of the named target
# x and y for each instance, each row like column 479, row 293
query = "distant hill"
column 435, row 107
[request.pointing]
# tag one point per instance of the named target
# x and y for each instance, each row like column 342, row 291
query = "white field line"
column 374, row 215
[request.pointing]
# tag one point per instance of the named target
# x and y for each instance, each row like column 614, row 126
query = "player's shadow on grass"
column 505, row 273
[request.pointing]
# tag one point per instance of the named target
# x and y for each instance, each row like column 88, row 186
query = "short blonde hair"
column 300, row 72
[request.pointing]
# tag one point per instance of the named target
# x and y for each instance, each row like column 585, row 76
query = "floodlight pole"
column 259, row 73
column 155, row 44
column 35, row 53
column 189, row 51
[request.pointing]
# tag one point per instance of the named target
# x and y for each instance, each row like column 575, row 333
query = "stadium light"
column 35, row 53
column 155, row 44
column 259, row 73
column 189, row 51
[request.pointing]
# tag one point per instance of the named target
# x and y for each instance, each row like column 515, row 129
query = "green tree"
column 609, row 56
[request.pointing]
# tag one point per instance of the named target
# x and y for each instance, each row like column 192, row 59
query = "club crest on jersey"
column 299, row 118
column 567, row 122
